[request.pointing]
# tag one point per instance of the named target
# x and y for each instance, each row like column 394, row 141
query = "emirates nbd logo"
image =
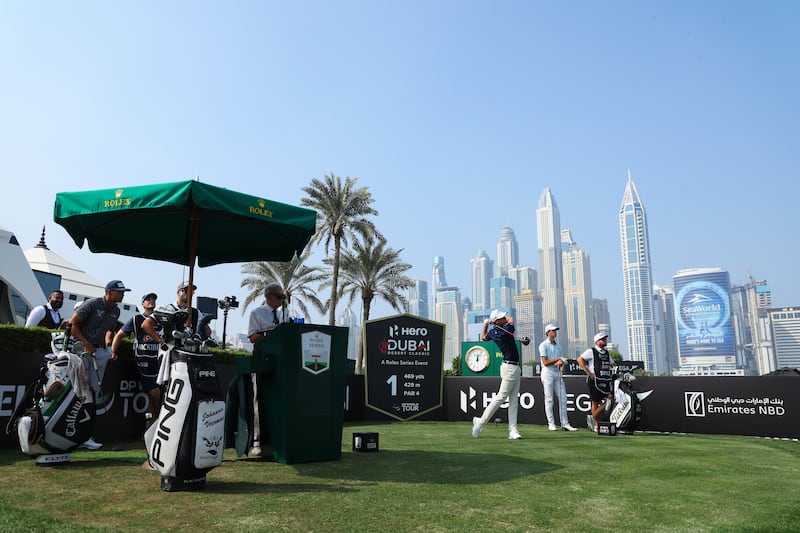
column 695, row 403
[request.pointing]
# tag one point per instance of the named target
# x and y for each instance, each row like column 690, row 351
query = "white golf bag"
column 625, row 404
column 186, row 439
column 57, row 412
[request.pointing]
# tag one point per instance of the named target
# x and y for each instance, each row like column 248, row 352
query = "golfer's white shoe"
column 514, row 435
column 91, row 444
column 477, row 427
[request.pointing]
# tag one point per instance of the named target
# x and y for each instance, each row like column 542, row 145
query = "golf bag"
column 186, row 439
column 57, row 411
column 625, row 404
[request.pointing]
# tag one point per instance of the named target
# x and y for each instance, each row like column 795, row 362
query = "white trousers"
column 553, row 385
column 510, row 376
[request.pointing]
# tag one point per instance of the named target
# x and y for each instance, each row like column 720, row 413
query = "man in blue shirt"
column 510, row 373
column 553, row 379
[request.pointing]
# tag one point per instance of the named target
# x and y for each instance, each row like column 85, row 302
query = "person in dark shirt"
column 92, row 324
column 145, row 350
column 510, row 373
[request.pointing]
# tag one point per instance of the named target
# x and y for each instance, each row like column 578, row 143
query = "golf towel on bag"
column 58, row 412
column 186, row 441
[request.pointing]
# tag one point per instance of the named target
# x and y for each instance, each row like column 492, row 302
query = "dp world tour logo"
column 695, row 403
column 468, row 400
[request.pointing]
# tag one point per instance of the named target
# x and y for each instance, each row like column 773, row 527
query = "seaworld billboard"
column 703, row 313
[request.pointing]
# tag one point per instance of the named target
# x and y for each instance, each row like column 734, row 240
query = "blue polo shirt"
column 505, row 341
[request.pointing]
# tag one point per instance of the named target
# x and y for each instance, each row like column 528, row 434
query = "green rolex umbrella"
column 185, row 222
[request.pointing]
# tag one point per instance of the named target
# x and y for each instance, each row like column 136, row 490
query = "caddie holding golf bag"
column 56, row 414
column 597, row 363
column 186, row 440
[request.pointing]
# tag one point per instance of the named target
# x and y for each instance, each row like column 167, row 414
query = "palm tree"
column 372, row 269
column 342, row 211
column 295, row 277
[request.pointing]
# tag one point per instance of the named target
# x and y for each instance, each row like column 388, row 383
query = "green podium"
column 300, row 370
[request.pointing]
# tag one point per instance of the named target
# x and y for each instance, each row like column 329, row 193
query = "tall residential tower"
column 637, row 278
column 551, row 276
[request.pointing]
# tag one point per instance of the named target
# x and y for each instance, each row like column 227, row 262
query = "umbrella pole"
column 194, row 220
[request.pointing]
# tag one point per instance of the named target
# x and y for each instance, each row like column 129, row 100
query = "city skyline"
column 456, row 115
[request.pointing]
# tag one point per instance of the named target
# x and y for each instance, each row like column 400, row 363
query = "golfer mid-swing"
column 510, row 373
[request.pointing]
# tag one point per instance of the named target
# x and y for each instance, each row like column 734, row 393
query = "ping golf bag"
column 625, row 404
column 57, row 412
column 186, row 439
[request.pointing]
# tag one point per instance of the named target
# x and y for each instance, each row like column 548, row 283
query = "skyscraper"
column 786, row 336
column 602, row 317
column 637, row 277
column 579, row 328
column 481, row 267
column 507, row 251
column 501, row 293
column 750, row 304
column 527, row 323
column 524, row 278
column 418, row 299
column 551, row 275
column 666, row 297
column 348, row 319
column 437, row 277
column 450, row 313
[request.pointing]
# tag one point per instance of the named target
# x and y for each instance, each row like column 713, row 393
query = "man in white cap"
column 596, row 362
column 553, row 379
column 510, row 373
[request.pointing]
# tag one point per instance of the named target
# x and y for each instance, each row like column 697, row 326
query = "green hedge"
column 37, row 340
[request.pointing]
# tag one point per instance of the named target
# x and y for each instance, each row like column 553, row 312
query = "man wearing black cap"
column 145, row 349
column 93, row 324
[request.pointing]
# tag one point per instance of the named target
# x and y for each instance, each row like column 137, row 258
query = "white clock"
column 477, row 359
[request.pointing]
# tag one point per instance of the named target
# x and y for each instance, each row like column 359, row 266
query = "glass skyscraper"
column 637, row 278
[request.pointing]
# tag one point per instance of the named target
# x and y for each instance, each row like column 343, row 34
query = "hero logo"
column 396, row 331
column 695, row 403
column 468, row 400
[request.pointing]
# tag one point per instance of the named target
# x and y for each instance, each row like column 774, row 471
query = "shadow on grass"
column 419, row 466
column 246, row 487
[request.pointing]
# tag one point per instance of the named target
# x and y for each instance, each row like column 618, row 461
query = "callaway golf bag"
column 186, row 439
column 57, row 412
column 625, row 404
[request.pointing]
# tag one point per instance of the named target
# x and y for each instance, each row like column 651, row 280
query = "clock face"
column 477, row 359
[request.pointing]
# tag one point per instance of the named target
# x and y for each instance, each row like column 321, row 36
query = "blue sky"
column 456, row 115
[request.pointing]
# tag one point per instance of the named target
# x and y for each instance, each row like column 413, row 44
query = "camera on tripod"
column 229, row 302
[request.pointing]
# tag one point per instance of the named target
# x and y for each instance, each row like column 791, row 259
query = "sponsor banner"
column 121, row 418
column 703, row 310
column 404, row 365
column 758, row 406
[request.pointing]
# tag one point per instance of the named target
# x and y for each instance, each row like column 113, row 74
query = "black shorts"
column 147, row 382
column 598, row 395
